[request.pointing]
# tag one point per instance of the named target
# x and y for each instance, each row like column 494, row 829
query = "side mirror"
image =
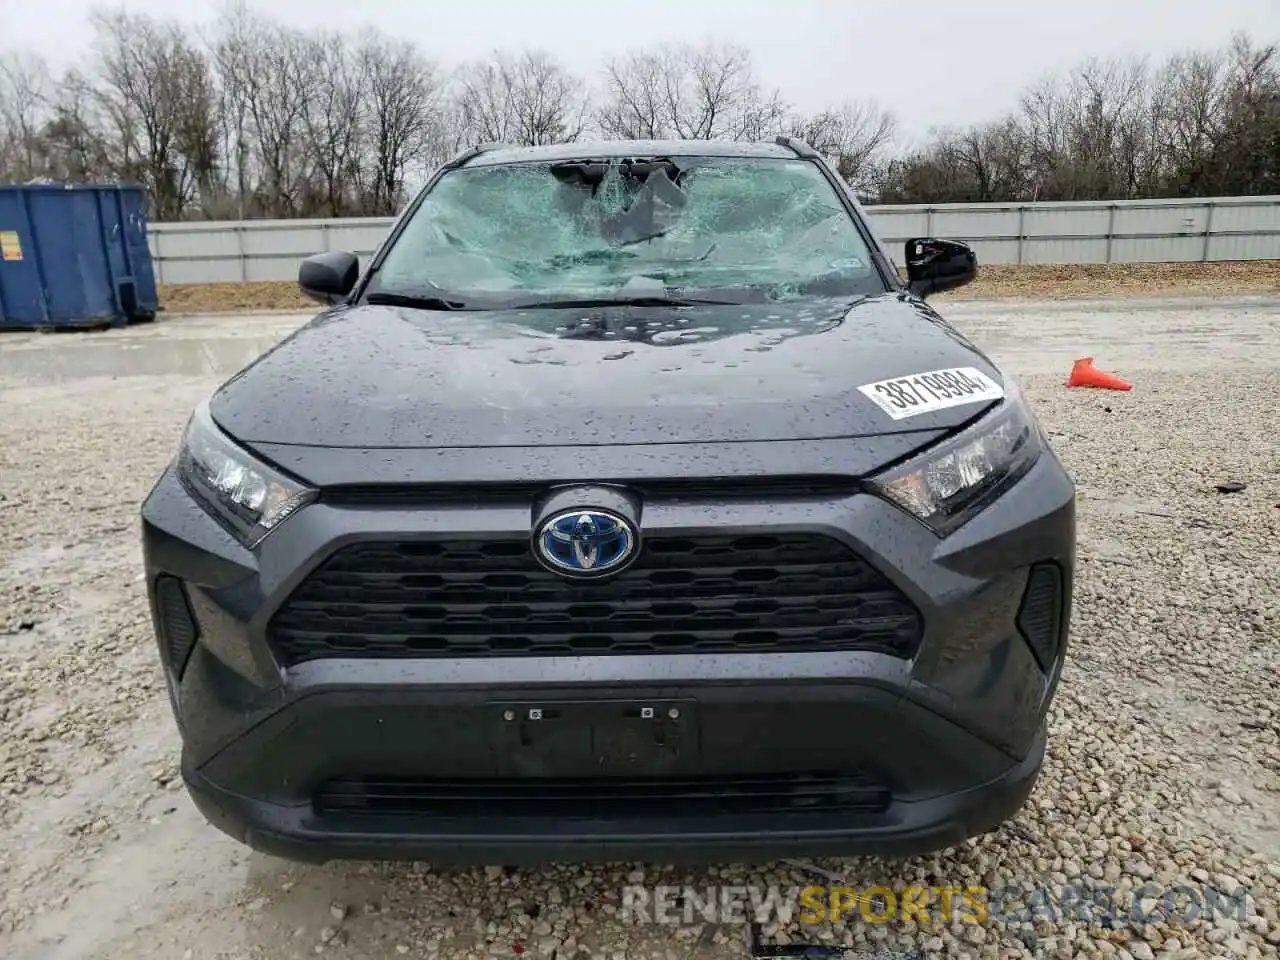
column 329, row 277
column 935, row 265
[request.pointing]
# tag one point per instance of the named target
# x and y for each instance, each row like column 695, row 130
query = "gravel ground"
column 1164, row 765
column 1057, row 281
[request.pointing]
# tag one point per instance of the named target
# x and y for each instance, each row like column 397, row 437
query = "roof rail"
column 797, row 146
column 471, row 153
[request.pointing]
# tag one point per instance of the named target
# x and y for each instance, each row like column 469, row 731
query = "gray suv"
column 627, row 505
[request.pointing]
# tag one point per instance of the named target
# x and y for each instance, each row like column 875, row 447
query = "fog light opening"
column 1040, row 615
column 178, row 630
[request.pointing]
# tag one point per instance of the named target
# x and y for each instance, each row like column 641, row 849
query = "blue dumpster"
column 74, row 256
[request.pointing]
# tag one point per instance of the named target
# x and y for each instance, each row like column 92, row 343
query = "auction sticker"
column 10, row 247
column 921, row 393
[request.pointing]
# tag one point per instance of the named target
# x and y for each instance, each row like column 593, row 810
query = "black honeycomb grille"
column 601, row 796
column 682, row 595
column 177, row 627
column 1040, row 616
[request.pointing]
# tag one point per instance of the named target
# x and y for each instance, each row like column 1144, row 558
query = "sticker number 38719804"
column 920, row 393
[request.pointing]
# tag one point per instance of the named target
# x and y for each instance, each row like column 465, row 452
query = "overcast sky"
column 930, row 61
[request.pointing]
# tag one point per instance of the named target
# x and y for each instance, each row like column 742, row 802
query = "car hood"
column 391, row 377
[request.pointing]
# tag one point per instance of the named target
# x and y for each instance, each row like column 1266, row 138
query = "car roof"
column 497, row 154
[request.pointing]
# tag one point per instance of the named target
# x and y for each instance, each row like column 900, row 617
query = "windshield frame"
column 883, row 268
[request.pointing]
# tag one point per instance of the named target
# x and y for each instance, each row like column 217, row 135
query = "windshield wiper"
column 639, row 301
column 416, row 302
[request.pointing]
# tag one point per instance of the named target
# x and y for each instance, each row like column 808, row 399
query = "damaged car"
column 627, row 504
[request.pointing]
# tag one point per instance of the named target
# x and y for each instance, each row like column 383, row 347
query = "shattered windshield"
column 734, row 228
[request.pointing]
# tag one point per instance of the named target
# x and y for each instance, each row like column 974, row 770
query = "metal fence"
column 1124, row 231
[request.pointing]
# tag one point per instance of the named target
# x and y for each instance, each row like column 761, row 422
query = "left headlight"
column 245, row 496
column 945, row 486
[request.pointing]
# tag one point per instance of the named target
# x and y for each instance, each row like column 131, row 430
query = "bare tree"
column 1202, row 123
column 405, row 120
column 270, row 74
column 854, row 135
column 1107, row 100
column 231, row 46
column 713, row 94
column 991, row 158
column 158, row 91
column 955, row 166
column 1189, row 94
column 332, row 119
column 526, row 99
column 762, row 116
column 25, row 91
column 74, row 145
column 704, row 91
column 255, row 119
column 278, row 95
column 635, row 106
column 1095, row 134
column 1247, row 156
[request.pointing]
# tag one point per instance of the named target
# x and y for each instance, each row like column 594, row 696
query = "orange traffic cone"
column 1084, row 374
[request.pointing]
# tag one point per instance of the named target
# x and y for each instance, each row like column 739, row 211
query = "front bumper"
column 905, row 827
column 821, row 753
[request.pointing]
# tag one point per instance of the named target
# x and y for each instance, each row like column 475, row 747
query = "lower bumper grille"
column 177, row 627
column 491, row 598
column 1040, row 616
column 604, row 798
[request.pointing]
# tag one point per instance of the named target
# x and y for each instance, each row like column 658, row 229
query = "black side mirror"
column 935, row 265
column 329, row 277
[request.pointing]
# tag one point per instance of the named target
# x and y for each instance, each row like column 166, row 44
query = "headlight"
column 245, row 496
column 948, row 484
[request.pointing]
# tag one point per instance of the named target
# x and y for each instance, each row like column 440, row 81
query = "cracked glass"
column 748, row 228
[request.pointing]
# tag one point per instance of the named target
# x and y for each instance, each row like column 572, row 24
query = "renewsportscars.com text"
column 1100, row 905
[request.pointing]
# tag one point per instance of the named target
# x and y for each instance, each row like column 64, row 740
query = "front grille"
column 682, row 595
column 601, row 797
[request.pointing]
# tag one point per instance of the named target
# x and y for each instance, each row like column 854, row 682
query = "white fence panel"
column 1126, row 231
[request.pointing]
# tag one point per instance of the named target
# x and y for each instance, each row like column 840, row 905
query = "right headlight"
column 246, row 496
column 945, row 486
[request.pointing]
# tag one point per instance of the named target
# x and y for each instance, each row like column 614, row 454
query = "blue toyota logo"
column 586, row 543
